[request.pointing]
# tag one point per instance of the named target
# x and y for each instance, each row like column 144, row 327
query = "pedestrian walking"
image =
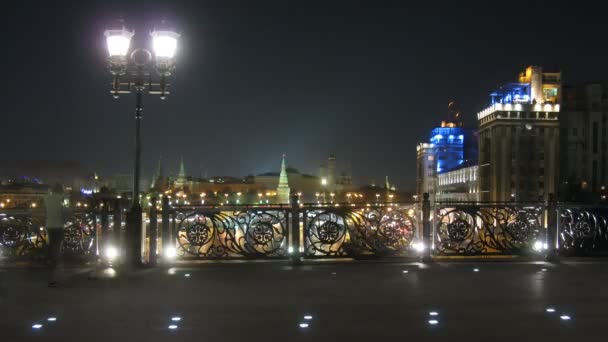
column 53, row 202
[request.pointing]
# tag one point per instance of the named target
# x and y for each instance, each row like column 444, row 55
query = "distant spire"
column 386, row 183
column 182, row 170
column 158, row 175
column 283, row 188
column 159, row 170
column 181, row 176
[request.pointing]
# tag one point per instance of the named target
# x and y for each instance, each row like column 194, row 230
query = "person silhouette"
column 53, row 202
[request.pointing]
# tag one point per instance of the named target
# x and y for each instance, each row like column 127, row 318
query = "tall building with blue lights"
column 451, row 147
column 518, row 138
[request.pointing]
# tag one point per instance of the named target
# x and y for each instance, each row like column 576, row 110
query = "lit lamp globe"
column 164, row 44
column 118, row 43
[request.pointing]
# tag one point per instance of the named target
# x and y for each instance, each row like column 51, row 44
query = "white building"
column 459, row 185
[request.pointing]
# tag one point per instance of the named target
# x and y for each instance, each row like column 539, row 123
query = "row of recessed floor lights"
column 474, row 270
column 306, row 324
column 563, row 316
column 434, row 315
column 37, row 326
column 174, row 325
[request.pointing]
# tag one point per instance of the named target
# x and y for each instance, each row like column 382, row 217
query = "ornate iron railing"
column 23, row 235
column 20, row 234
column 232, row 232
column 582, row 230
column 492, row 228
column 347, row 231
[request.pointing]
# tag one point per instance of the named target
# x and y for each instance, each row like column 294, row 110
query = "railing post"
column 295, row 230
column 133, row 241
column 117, row 229
column 173, row 237
column 165, row 232
column 552, row 228
column 153, row 233
column 426, row 228
column 104, row 242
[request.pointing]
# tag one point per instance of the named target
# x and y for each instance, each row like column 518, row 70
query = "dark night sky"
column 259, row 78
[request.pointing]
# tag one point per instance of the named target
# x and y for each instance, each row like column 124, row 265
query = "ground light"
column 111, row 253
column 170, row 253
column 172, row 327
column 539, row 246
column 303, row 325
column 37, row 326
column 308, row 317
column 433, row 313
column 418, row 246
column 433, row 322
column 565, row 317
column 176, row 319
column 51, row 319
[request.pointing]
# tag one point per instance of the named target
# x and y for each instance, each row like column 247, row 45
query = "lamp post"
column 139, row 72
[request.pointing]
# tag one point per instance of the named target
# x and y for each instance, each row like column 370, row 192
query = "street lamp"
column 138, row 72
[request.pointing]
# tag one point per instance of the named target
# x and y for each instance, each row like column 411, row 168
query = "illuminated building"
column 327, row 174
column 265, row 188
column 459, row 184
column 584, row 143
column 426, row 170
column 22, row 192
column 283, row 187
column 518, row 139
column 451, row 148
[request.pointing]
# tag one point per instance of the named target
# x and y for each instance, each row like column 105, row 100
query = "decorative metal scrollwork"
column 471, row 229
column 221, row 234
column 583, row 231
column 20, row 235
column 79, row 234
column 359, row 232
column 326, row 233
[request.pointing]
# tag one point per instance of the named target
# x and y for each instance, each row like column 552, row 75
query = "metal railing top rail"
column 41, row 211
column 230, row 206
column 598, row 205
column 289, row 206
column 489, row 203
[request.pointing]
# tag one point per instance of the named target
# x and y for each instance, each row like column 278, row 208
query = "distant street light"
column 139, row 72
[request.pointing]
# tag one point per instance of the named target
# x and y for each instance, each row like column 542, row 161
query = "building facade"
column 458, row 185
column 451, row 148
column 519, row 139
column 426, row 170
column 584, row 143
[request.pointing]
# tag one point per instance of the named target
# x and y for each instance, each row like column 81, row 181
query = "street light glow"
column 164, row 43
column 118, row 42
